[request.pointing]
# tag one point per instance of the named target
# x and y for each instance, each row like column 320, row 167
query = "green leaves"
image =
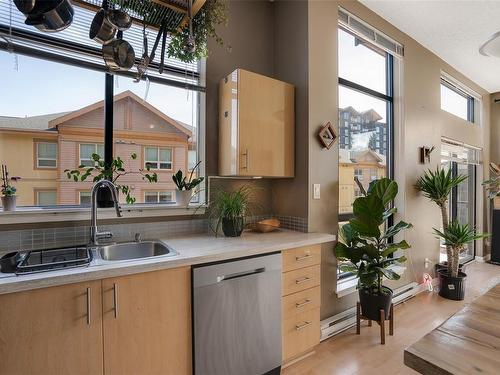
column 183, row 183
column 368, row 215
column 385, row 189
column 458, row 235
column 437, row 185
column 395, row 229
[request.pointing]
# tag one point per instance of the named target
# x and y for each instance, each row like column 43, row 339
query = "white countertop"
column 192, row 249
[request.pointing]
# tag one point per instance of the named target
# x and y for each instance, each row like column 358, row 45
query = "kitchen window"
column 86, row 152
column 46, row 154
column 158, row 158
column 158, row 197
column 46, row 197
column 111, row 115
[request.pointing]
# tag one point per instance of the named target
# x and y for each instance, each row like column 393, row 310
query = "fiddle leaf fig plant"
column 117, row 169
column 365, row 247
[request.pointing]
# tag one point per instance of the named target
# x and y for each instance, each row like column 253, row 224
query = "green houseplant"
column 366, row 247
column 227, row 210
column 437, row 186
column 8, row 190
column 185, row 185
column 113, row 173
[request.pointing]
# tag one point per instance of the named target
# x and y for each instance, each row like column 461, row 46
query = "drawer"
column 296, row 303
column 301, row 279
column 300, row 333
column 301, row 257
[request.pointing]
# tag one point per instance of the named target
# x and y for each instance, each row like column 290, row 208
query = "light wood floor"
column 348, row 353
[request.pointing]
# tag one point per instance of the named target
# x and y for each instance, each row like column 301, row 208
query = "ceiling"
column 454, row 30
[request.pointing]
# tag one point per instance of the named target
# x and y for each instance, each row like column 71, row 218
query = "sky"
column 30, row 87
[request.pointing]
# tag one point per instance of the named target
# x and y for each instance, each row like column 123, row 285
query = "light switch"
column 316, row 191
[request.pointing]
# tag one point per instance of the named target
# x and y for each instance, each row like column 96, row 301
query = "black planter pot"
column 444, row 267
column 371, row 304
column 232, row 227
column 452, row 287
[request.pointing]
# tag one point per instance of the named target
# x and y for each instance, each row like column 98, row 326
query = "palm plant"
column 456, row 237
column 437, row 186
column 367, row 249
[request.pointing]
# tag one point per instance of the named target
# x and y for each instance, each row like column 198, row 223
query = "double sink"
column 134, row 250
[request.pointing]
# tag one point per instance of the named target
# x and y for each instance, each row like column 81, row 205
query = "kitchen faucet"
column 94, row 233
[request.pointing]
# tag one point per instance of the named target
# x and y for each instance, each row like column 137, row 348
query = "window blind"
column 368, row 32
column 73, row 46
column 460, row 152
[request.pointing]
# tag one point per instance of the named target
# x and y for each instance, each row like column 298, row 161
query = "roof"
column 354, row 157
column 71, row 115
column 29, row 123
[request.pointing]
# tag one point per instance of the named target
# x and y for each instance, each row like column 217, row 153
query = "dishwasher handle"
column 240, row 274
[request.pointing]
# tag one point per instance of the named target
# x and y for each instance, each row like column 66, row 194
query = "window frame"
column 471, row 100
column 37, row 158
column 37, row 191
column 96, row 144
column 158, row 192
column 159, row 162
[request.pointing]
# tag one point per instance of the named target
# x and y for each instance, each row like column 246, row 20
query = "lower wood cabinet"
column 51, row 331
column 147, row 323
column 137, row 324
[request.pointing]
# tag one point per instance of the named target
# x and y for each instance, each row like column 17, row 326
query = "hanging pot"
column 51, row 15
column 118, row 54
column 119, row 19
column 101, row 30
column 25, row 6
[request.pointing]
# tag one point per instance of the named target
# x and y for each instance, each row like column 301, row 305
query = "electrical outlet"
column 427, row 263
column 316, row 191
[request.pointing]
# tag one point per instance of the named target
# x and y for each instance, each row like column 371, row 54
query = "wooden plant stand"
column 381, row 322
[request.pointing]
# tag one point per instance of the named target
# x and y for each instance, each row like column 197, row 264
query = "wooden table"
column 467, row 343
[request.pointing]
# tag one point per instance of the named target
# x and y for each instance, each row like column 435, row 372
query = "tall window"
column 54, row 114
column 365, row 116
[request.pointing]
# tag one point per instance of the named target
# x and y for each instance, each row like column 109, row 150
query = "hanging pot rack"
column 173, row 12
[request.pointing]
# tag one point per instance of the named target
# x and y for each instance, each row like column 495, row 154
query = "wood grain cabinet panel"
column 300, row 333
column 147, row 323
column 301, row 257
column 49, row 331
column 299, row 302
column 256, row 126
column 301, row 279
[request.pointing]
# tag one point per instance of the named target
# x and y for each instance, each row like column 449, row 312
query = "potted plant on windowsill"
column 227, row 210
column 456, row 237
column 8, row 191
column 437, row 186
column 367, row 249
column 185, row 186
column 100, row 172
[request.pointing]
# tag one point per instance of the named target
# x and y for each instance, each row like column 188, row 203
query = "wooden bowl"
column 268, row 225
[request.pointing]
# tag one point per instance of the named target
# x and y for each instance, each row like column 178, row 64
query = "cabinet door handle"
column 115, row 299
column 298, row 305
column 303, row 257
column 302, row 280
column 298, row 327
column 89, row 306
column 246, row 159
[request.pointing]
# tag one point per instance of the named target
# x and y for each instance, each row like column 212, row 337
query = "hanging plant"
column 212, row 14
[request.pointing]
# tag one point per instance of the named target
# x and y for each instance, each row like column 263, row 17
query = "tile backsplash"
column 29, row 239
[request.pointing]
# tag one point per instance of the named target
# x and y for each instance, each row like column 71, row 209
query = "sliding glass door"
column 462, row 202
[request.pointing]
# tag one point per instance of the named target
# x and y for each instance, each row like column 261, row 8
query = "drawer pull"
column 298, row 327
column 298, row 305
column 303, row 257
column 89, row 308
column 302, row 280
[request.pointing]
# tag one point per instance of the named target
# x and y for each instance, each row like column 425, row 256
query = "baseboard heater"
column 346, row 319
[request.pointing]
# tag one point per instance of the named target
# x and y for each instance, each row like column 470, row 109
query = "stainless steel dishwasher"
column 237, row 317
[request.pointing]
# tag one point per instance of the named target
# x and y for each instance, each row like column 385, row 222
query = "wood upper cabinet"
column 256, row 126
column 147, row 323
column 52, row 331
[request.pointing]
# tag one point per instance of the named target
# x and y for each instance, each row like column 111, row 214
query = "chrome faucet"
column 95, row 235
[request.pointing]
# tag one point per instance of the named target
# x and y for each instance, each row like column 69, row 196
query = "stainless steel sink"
column 135, row 250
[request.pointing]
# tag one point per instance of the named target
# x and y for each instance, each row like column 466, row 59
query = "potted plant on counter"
column 8, row 191
column 366, row 247
column 100, row 172
column 185, row 186
column 227, row 210
column 456, row 237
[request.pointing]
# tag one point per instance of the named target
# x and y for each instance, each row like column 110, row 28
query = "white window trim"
column 51, row 159
column 158, row 192
column 48, row 190
column 80, row 152
column 158, row 148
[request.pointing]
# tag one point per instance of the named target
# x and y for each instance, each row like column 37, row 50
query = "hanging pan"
column 118, row 54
